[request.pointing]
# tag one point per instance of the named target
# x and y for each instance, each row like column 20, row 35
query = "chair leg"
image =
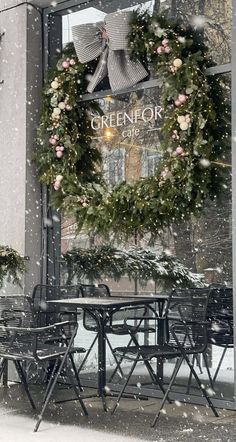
column 201, row 387
column 219, row 365
column 76, row 389
column 53, row 372
column 2, row 367
column 125, row 384
column 115, row 357
column 208, row 370
column 173, row 377
column 22, row 377
column 87, row 354
column 52, row 382
column 190, row 376
column 75, row 372
column 155, row 378
column 120, row 361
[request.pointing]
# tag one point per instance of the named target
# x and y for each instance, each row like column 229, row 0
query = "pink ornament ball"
column 167, row 49
column 160, row 50
column 182, row 98
column 59, row 154
column 179, row 150
column 66, row 64
column 177, row 103
column 57, row 185
column 72, row 62
column 68, row 107
column 52, row 141
column 56, row 137
column 165, row 42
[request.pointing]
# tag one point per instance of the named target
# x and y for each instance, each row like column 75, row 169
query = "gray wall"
column 21, row 70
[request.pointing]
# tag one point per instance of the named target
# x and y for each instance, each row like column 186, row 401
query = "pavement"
column 131, row 422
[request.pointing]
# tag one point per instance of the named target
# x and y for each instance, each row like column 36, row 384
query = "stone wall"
column 21, row 70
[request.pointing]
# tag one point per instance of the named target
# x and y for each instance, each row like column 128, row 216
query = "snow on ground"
column 16, row 428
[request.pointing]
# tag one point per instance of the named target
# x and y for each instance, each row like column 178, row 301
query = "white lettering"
column 97, row 127
column 138, row 113
column 104, row 121
column 158, row 112
column 116, row 119
column 119, row 119
column 113, row 120
column 128, row 117
column 145, row 111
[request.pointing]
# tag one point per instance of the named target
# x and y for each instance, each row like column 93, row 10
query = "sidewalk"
column 131, row 423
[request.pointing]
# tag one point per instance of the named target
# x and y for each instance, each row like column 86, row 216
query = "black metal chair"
column 220, row 320
column 119, row 323
column 187, row 337
column 21, row 341
column 47, row 314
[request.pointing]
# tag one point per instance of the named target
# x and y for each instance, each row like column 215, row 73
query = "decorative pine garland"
column 194, row 137
column 11, row 265
column 106, row 261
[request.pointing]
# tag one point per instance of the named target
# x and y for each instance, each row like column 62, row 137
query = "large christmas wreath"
column 194, row 136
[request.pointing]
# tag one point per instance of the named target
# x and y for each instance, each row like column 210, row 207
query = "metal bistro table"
column 101, row 308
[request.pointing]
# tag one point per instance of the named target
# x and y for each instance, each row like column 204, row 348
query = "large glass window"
column 130, row 151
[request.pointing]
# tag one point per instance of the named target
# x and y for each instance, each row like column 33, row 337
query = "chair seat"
column 221, row 339
column 23, row 352
column 125, row 329
column 148, row 351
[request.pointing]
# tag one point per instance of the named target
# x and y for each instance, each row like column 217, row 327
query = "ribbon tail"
column 122, row 71
column 100, row 72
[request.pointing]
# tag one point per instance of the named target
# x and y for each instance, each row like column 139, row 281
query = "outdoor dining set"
column 42, row 330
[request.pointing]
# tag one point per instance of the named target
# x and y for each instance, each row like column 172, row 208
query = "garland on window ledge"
column 11, row 265
column 194, row 136
column 101, row 262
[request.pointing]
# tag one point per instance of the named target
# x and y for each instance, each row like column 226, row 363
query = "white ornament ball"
column 59, row 177
column 184, row 125
column 55, row 84
column 56, row 111
column 61, row 105
column 181, row 119
column 177, row 63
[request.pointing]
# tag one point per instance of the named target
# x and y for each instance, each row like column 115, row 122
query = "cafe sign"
column 127, row 121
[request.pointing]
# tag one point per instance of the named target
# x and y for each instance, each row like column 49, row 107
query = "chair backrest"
column 220, row 302
column 92, row 290
column 15, row 311
column 220, row 316
column 188, row 310
column 46, row 313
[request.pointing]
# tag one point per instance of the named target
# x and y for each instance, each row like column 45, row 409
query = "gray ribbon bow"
column 109, row 40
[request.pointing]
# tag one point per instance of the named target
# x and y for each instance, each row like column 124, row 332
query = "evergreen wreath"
column 194, row 137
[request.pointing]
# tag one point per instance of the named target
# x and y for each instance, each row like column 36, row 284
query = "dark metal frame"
column 52, row 17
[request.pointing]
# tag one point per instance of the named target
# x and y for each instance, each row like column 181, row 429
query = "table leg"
column 102, row 357
column 5, row 374
column 161, row 338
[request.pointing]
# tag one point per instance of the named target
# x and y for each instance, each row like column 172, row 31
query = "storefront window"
column 127, row 131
